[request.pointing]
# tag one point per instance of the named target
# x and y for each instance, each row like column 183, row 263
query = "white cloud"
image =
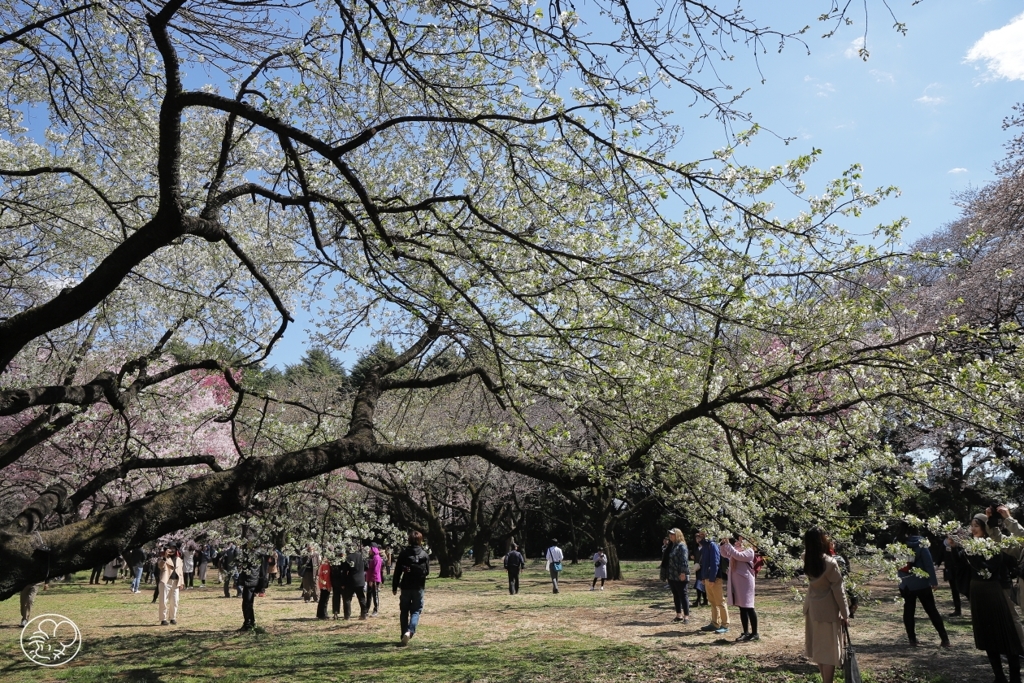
column 958, row 169
column 856, row 46
column 925, row 98
column 883, row 76
column 1002, row 50
column 825, row 89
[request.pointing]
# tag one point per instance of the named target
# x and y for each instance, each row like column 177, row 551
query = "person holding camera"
column 1001, row 524
column 993, row 618
column 169, row 570
column 600, row 568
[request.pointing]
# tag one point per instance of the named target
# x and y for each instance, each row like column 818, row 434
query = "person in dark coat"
column 253, row 578
column 353, row 583
column 992, row 613
column 514, row 563
column 412, row 567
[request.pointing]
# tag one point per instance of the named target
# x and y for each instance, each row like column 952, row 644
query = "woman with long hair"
column 678, row 574
column 825, row 608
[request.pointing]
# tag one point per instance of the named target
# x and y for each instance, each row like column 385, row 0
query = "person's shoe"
column 374, row 613
column 593, row 588
column 686, row 619
column 709, row 628
column 723, row 629
column 362, row 616
column 743, row 637
column 678, row 618
column 753, row 637
column 953, row 615
column 24, row 623
column 945, row 643
column 246, row 627
column 164, row 622
column 174, row 622
column 602, row 587
column 405, row 638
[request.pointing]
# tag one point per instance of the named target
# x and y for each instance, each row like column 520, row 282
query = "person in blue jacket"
column 917, row 581
column 710, row 562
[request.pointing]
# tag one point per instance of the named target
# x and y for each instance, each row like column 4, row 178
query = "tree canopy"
column 495, row 188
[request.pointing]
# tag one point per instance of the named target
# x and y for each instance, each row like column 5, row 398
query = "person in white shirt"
column 553, row 562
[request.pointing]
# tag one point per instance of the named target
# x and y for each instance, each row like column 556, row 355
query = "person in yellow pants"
column 710, row 561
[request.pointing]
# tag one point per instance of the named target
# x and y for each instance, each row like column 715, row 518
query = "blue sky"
column 924, row 112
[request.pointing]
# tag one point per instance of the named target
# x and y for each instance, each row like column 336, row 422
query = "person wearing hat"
column 992, row 613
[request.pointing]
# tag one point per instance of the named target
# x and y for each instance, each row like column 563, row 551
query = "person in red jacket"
column 323, row 582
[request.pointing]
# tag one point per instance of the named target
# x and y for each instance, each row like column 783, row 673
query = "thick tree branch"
column 104, row 477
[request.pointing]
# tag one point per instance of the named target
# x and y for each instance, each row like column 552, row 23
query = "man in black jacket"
column 514, row 562
column 253, row 578
column 353, row 582
column 411, row 570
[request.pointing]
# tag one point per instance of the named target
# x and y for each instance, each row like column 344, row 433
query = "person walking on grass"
column 710, row 562
column 412, row 567
column 136, row 559
column 914, row 587
column 679, row 574
column 826, row 611
column 28, row 599
column 742, row 576
column 553, row 557
column 169, row 572
column 600, row 568
column 513, row 563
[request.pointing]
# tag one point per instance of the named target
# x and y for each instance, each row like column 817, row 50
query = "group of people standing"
column 724, row 576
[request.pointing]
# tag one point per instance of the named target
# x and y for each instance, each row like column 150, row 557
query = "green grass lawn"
column 471, row 630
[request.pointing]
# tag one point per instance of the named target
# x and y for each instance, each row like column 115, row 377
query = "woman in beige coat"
column 825, row 608
column 171, row 570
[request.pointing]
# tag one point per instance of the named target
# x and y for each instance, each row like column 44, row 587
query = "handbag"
column 558, row 566
column 851, row 672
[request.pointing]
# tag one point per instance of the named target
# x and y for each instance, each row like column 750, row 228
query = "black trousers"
column 373, row 597
column 346, row 595
column 513, row 581
column 248, row 598
column 680, row 597
column 325, row 597
column 955, row 588
column 927, row 599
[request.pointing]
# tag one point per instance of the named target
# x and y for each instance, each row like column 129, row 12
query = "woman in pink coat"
column 741, row 585
column 373, row 578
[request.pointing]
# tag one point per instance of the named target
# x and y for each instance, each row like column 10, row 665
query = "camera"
column 995, row 519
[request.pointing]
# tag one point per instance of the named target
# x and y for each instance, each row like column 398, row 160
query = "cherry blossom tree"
column 495, row 183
